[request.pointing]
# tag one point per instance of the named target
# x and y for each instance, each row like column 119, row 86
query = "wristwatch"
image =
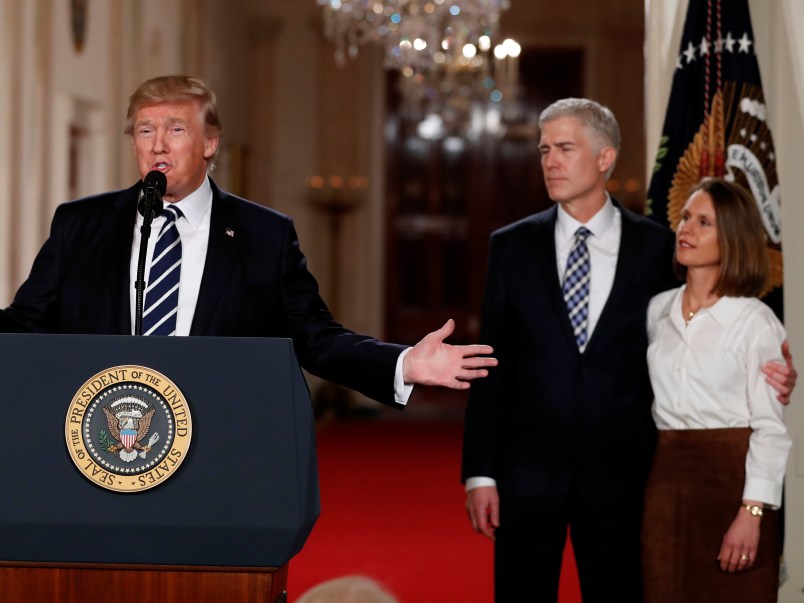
column 755, row 510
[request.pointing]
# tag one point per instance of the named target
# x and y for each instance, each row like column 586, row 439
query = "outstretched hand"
column 433, row 362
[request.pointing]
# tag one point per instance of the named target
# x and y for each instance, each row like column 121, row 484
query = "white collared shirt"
column 706, row 375
column 604, row 247
column 194, row 232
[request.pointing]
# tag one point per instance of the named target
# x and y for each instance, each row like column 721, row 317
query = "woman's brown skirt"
column 693, row 495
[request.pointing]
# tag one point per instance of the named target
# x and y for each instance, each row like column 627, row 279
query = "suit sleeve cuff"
column 402, row 390
column 477, row 482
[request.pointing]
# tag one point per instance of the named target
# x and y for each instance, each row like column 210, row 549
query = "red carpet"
column 393, row 510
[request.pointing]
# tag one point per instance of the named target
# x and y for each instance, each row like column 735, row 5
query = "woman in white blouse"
column 710, row 529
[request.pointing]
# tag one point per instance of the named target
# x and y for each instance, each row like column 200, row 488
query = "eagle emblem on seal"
column 129, row 421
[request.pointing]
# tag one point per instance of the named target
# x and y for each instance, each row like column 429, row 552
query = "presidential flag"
column 716, row 123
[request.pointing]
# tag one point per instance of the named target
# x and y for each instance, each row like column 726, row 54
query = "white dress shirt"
column 706, row 375
column 194, row 233
column 604, row 248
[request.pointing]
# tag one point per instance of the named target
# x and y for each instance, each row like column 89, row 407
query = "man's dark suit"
column 568, row 436
column 255, row 284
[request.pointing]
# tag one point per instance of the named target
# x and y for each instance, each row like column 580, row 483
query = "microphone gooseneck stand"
column 150, row 201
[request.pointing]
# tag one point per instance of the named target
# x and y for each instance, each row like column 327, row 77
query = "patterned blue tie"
column 162, row 293
column 576, row 287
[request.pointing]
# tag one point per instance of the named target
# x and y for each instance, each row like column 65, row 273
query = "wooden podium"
column 222, row 527
column 79, row 583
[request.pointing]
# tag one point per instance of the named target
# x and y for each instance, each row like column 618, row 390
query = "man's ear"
column 211, row 146
column 606, row 158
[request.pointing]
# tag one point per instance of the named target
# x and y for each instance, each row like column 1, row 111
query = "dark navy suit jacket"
column 559, row 429
column 255, row 284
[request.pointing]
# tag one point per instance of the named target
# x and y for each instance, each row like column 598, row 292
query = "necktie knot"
column 582, row 233
column 171, row 213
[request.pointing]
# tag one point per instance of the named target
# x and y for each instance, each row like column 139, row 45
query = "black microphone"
column 154, row 187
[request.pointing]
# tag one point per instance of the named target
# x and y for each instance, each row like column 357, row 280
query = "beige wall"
column 781, row 59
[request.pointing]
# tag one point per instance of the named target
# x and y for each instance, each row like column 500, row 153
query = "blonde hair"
column 175, row 89
column 348, row 589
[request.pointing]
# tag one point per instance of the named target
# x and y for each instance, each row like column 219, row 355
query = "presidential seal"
column 128, row 428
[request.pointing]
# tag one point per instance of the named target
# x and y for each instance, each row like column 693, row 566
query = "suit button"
column 583, row 368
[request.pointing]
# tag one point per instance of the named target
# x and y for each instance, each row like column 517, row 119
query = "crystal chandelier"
column 481, row 77
column 443, row 50
column 416, row 34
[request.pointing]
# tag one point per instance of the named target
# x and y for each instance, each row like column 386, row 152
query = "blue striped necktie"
column 576, row 287
column 162, row 294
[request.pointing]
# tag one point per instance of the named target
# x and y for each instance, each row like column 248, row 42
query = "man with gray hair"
column 560, row 435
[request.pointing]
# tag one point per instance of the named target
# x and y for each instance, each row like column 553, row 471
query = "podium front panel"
column 245, row 495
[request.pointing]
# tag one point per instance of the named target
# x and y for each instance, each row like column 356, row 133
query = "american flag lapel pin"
column 230, row 232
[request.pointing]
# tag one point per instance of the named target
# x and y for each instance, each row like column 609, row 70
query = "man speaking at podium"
column 216, row 265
